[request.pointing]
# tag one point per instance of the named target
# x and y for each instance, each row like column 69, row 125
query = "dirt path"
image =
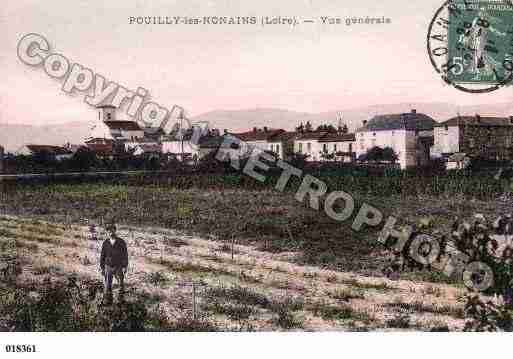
column 255, row 290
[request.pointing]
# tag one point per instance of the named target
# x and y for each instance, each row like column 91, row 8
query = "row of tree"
column 86, row 160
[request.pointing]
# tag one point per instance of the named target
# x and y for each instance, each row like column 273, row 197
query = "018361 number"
column 20, row 348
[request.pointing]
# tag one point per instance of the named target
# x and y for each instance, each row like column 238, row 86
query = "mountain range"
column 13, row 136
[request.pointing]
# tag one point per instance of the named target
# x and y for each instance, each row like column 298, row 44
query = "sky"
column 311, row 67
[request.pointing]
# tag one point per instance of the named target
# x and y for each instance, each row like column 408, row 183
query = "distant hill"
column 14, row 136
column 247, row 119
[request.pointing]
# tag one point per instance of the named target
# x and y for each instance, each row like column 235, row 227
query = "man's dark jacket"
column 114, row 255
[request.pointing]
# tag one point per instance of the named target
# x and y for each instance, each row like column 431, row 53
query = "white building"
column 182, row 148
column 339, row 146
column 282, row 144
column 260, row 138
column 111, row 128
column 410, row 135
column 308, row 143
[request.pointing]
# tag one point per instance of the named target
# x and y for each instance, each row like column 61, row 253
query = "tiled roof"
column 338, row 137
column 123, row 125
column 401, row 121
column 258, row 135
column 55, row 150
column 283, row 136
column 98, row 140
column 477, row 120
column 315, row 135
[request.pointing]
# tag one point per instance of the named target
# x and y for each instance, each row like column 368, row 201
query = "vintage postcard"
column 254, row 166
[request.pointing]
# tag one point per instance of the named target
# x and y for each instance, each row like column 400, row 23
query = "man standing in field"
column 113, row 263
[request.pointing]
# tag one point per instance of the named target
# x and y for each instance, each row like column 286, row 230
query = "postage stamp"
column 470, row 44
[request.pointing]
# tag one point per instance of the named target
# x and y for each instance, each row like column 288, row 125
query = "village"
column 406, row 140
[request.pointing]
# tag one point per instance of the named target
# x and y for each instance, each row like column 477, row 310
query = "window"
column 300, row 147
column 309, row 147
column 109, row 116
column 335, row 147
column 325, row 147
column 278, row 149
column 446, row 128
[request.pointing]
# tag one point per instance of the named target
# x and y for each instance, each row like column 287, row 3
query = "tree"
column 83, row 159
column 378, row 154
column 326, row 128
column 298, row 160
column 389, row 155
column 477, row 241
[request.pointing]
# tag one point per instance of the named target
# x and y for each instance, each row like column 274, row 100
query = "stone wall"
column 493, row 143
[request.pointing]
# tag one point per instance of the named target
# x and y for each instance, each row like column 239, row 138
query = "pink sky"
column 310, row 68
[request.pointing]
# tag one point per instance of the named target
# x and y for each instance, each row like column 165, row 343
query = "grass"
column 29, row 246
column 157, row 279
column 287, row 320
column 422, row 307
column 399, row 321
column 221, row 208
column 59, row 306
column 337, row 312
column 6, row 233
column 188, row 267
column 233, row 311
column 239, row 303
column 239, row 294
column 44, row 270
column 346, row 294
column 361, row 285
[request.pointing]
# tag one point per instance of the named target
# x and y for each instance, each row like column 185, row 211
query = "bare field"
column 254, row 290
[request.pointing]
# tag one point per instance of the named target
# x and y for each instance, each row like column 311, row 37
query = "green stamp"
column 470, row 43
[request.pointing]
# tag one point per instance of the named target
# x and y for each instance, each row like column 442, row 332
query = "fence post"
column 233, row 245
column 194, row 300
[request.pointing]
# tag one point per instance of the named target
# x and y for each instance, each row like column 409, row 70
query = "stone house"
column 410, row 135
column 477, row 136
